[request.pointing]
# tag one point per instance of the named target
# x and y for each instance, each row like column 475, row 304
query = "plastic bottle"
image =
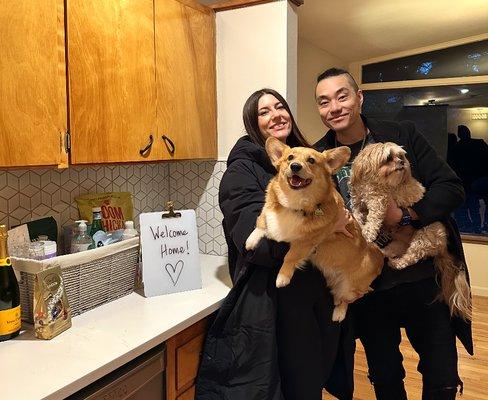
column 50, row 246
column 82, row 240
column 129, row 231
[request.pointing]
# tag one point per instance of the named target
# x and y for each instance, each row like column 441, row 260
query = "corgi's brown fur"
column 302, row 207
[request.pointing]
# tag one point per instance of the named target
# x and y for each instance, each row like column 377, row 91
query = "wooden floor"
column 472, row 370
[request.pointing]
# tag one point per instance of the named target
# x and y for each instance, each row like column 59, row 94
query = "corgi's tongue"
column 296, row 182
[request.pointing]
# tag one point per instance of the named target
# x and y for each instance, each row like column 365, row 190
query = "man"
column 402, row 298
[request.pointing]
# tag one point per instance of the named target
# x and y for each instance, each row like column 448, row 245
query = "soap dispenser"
column 82, row 240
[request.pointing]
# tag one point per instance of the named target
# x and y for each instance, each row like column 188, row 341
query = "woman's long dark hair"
column 250, row 117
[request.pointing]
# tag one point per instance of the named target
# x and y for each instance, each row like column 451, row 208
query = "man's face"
column 338, row 103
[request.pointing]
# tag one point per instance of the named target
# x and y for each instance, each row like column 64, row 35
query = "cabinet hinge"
column 67, row 141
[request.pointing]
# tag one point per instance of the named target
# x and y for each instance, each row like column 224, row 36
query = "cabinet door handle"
column 169, row 144
column 143, row 151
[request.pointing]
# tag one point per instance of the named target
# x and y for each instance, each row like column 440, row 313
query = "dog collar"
column 318, row 212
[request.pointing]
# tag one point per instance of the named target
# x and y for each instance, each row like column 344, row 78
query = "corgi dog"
column 302, row 207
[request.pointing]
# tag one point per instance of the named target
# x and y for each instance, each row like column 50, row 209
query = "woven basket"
column 91, row 278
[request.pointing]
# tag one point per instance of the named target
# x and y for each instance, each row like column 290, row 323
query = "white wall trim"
column 479, row 291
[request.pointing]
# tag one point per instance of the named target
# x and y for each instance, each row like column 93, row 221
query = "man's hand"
column 393, row 213
column 345, row 218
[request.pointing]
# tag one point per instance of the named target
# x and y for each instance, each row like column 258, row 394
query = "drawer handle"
column 169, row 144
column 143, row 151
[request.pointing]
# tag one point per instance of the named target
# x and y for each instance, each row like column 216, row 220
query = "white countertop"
column 103, row 339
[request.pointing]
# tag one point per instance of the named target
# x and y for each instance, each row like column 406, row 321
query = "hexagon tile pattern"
column 31, row 194
column 195, row 185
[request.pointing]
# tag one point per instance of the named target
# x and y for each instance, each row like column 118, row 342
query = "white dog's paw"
column 397, row 263
column 282, row 280
column 254, row 238
column 339, row 312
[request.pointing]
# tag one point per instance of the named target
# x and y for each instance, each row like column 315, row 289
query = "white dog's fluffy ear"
column 337, row 158
column 275, row 149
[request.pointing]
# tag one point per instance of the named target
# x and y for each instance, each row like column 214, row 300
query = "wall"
column 255, row 48
column 462, row 116
column 476, row 256
column 311, row 62
column 31, row 194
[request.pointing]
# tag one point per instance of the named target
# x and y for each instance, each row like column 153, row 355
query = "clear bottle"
column 129, row 231
column 96, row 226
column 82, row 240
column 9, row 293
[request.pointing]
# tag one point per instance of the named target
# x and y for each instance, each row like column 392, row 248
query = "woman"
column 265, row 343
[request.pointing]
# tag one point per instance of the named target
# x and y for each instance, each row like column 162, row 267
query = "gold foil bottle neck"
column 3, row 242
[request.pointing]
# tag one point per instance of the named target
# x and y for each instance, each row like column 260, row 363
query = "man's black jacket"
column 444, row 193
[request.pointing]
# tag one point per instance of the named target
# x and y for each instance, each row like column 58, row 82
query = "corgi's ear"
column 275, row 149
column 337, row 158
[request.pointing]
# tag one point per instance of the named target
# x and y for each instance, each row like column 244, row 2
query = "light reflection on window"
column 425, row 67
column 474, row 56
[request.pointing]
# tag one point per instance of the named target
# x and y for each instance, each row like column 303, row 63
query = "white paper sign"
column 170, row 257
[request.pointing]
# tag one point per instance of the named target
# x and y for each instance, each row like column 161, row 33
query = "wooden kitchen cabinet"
column 111, row 72
column 33, row 114
column 185, row 78
column 137, row 68
column 183, row 352
column 112, row 91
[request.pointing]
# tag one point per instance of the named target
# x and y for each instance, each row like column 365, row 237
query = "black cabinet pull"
column 143, row 151
column 169, row 144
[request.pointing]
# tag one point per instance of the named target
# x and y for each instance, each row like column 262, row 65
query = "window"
column 454, row 119
column 469, row 59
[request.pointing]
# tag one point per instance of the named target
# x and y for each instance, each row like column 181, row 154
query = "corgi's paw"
column 339, row 312
column 397, row 263
column 254, row 239
column 282, row 280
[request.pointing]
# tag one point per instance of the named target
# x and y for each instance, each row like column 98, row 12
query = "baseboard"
column 479, row 291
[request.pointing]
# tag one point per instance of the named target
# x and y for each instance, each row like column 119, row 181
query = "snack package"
column 52, row 313
column 116, row 208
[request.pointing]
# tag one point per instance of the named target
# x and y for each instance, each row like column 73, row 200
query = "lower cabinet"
column 183, row 352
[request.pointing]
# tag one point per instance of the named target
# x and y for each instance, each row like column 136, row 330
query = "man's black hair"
column 337, row 72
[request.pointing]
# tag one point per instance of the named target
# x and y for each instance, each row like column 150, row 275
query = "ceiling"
column 355, row 30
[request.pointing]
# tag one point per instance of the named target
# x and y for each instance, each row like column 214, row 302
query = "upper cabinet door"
column 185, row 76
column 32, row 83
column 111, row 80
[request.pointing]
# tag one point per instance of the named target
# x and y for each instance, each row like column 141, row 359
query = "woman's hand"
column 345, row 218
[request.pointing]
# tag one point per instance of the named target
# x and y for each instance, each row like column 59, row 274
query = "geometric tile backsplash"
column 196, row 185
column 34, row 193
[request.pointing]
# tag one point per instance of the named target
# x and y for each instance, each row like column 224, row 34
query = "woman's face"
column 273, row 119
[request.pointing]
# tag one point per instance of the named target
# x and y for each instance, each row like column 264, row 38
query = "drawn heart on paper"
column 174, row 272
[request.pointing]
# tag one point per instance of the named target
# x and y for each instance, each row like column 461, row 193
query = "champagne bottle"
column 9, row 293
